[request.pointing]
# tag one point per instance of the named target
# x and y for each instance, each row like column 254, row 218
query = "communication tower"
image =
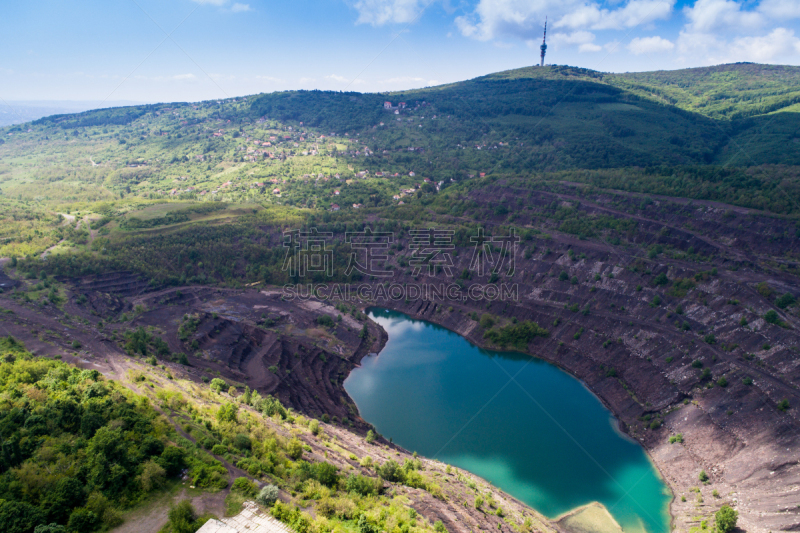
column 543, row 48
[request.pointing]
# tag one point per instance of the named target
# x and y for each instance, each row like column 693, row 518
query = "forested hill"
column 593, row 119
column 725, row 92
column 546, row 119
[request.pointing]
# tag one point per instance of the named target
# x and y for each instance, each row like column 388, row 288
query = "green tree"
column 294, row 449
column 217, row 384
column 182, row 518
column 268, row 495
column 726, row 519
column 20, row 517
column 227, row 412
column 82, row 520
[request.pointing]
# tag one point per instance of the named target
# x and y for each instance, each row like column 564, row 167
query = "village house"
column 276, row 191
column 334, row 207
column 336, row 192
column 387, row 105
column 357, row 206
column 412, row 174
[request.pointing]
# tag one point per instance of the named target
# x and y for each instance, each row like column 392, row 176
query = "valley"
column 656, row 262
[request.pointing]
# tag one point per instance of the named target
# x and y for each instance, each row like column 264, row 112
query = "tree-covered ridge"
column 726, row 92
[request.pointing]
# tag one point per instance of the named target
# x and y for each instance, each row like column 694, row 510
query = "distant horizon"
column 127, row 103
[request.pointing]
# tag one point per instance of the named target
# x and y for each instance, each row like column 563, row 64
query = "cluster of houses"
column 389, row 107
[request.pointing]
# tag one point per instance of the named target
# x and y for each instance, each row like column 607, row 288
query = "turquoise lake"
column 541, row 436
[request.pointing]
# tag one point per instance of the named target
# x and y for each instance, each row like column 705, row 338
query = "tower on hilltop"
column 543, row 48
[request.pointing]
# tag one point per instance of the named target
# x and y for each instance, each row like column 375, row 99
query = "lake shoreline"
column 618, row 426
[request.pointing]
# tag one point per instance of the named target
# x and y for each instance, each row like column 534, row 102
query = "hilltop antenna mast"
column 543, row 48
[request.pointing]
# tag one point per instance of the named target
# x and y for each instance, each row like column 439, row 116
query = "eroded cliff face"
column 652, row 334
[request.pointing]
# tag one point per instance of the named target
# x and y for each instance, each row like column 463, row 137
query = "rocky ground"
column 653, row 348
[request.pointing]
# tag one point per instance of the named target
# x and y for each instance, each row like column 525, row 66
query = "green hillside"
column 722, row 92
column 318, row 149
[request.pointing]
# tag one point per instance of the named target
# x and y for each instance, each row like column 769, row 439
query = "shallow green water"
column 541, row 436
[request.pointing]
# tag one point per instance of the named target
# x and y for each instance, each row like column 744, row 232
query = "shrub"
column 245, row 487
column 294, row 449
column 153, row 476
column 314, row 427
column 518, row 335
column 51, row 528
column 391, row 472
column 242, row 441
column 661, row 279
column 370, row 438
column 487, row 321
column 20, row 517
column 217, row 384
column 219, row 449
column 703, row 476
column 325, row 321
column 722, row 382
column 478, row 502
column 726, row 519
column 785, row 301
column 267, row 496
column 82, row 520
column 227, row 412
column 363, row 485
column 676, row 438
column 772, row 317
column 182, row 518
column 783, row 405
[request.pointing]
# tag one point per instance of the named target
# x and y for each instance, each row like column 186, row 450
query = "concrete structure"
column 250, row 520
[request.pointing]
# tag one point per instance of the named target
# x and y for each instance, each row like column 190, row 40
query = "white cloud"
column 650, row 45
column 707, row 15
column 183, row 77
column 781, row 43
column 334, row 77
column 634, row 13
column 211, row 2
column 270, row 78
column 584, row 40
column 524, row 18
column 240, row 8
column 380, row 12
column 780, row 9
column 576, row 37
column 520, row 18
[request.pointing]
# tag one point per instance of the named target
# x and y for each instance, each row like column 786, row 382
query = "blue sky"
column 188, row 50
